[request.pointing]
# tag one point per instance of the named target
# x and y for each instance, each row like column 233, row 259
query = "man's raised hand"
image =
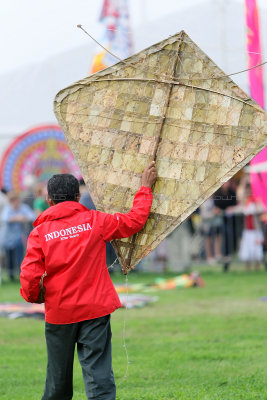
column 149, row 175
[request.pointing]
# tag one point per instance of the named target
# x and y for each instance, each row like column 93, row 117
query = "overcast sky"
column 33, row 30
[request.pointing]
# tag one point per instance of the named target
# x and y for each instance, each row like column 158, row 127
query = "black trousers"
column 93, row 338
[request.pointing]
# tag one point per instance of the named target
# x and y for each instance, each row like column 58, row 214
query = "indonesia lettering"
column 68, row 232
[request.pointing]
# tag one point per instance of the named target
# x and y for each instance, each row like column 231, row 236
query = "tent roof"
column 27, row 94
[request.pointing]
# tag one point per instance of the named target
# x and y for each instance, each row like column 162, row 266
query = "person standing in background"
column 39, row 204
column 27, row 195
column 211, row 227
column 15, row 215
column 226, row 197
column 251, row 246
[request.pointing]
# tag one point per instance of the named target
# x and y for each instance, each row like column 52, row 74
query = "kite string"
column 124, row 327
column 124, row 334
column 197, row 78
column 114, row 262
column 99, row 44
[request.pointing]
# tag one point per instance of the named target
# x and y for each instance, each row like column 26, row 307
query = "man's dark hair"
column 63, row 187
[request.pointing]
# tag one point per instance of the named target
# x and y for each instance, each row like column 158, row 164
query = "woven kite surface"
column 170, row 103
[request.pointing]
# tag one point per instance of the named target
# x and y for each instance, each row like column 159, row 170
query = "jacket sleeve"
column 119, row 225
column 32, row 268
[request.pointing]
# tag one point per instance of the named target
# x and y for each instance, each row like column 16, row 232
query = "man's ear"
column 49, row 201
column 78, row 197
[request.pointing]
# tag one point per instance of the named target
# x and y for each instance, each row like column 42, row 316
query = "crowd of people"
column 229, row 226
column 231, row 222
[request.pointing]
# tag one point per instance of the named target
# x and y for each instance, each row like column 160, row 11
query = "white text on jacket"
column 68, row 231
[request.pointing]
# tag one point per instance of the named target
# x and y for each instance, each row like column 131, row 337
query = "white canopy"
column 27, row 94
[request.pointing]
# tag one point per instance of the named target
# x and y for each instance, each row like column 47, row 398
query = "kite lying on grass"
column 169, row 103
column 180, row 281
column 30, row 310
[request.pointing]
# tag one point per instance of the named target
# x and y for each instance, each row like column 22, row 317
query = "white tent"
column 218, row 27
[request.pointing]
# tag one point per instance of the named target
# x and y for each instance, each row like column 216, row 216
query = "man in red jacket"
column 68, row 243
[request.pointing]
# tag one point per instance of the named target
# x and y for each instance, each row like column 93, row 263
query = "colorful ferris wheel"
column 39, row 152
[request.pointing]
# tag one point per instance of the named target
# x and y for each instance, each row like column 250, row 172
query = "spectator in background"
column 226, row 197
column 14, row 217
column 39, row 204
column 211, row 228
column 27, row 196
column 251, row 246
column 160, row 257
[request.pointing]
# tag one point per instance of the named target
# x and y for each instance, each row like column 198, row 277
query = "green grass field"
column 200, row 343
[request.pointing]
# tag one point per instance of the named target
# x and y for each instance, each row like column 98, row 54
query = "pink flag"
column 254, row 52
column 259, row 178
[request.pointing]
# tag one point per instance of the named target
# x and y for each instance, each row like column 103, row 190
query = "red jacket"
column 69, row 243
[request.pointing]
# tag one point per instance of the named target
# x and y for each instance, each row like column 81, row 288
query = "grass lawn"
column 201, row 343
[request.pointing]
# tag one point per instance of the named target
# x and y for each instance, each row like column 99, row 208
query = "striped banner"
column 258, row 179
column 254, row 52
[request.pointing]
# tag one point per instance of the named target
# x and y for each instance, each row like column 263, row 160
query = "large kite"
column 170, row 103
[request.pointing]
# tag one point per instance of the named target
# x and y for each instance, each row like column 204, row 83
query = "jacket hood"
column 60, row 210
